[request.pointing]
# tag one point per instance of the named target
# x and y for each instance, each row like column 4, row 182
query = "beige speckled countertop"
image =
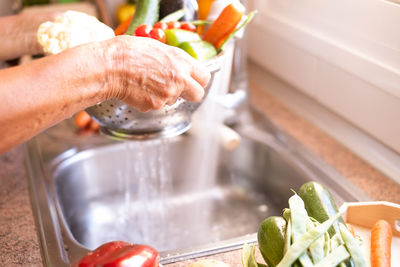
column 18, row 238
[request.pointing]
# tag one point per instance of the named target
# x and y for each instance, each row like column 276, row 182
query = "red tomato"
column 158, row 35
column 118, row 254
column 161, row 25
column 188, row 26
column 174, row 25
column 143, row 30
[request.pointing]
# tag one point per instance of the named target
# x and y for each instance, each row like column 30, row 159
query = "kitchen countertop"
column 19, row 243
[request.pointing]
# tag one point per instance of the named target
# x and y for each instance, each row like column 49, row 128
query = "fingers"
column 201, row 74
column 163, row 75
column 193, row 91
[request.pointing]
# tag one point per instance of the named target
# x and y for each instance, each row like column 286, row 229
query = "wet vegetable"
column 353, row 247
column 146, row 13
column 271, row 239
column 143, row 30
column 304, row 241
column 200, row 50
column 299, row 219
column 224, row 24
column 177, row 36
column 319, row 204
column 381, row 239
column 121, row 254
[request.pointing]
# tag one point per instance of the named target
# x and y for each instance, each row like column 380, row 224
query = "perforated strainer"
column 121, row 121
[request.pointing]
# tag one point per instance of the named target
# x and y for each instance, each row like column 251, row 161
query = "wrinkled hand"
column 147, row 74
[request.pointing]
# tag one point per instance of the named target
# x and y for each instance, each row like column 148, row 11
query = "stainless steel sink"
column 79, row 192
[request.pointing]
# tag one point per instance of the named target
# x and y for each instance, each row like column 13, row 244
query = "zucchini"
column 146, row 13
column 271, row 239
column 320, row 204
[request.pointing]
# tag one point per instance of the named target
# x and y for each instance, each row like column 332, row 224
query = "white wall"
column 343, row 53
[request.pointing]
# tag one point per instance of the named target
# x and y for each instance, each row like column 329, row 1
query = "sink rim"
column 56, row 236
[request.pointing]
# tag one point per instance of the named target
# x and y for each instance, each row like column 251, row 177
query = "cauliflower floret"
column 71, row 29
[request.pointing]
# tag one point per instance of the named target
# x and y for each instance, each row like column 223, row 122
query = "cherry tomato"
column 174, row 25
column 188, row 26
column 161, row 25
column 158, row 35
column 143, row 30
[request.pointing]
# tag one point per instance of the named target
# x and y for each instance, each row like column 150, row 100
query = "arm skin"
column 37, row 95
column 140, row 71
column 18, row 34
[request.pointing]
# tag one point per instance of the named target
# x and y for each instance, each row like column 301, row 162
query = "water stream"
column 158, row 177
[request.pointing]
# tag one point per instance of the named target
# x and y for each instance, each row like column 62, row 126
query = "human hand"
column 27, row 26
column 147, row 74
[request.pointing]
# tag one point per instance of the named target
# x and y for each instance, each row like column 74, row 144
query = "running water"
column 161, row 178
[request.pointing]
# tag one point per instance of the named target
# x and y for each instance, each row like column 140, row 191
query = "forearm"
column 40, row 94
column 18, row 34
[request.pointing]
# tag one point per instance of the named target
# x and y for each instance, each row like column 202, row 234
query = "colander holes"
column 129, row 111
column 120, row 108
column 117, row 116
column 109, row 117
column 101, row 113
column 111, row 105
column 99, row 105
column 113, row 122
column 107, row 110
column 126, row 118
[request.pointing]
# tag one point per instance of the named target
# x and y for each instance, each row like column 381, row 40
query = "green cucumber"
column 146, row 13
column 177, row 36
column 271, row 239
column 200, row 50
column 319, row 204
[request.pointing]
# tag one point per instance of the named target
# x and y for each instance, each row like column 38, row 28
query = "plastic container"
column 363, row 215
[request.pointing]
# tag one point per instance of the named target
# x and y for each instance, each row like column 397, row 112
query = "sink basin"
column 85, row 194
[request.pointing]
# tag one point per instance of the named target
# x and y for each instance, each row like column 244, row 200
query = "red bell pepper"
column 121, row 254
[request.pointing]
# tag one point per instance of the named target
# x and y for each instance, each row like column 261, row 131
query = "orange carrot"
column 204, row 10
column 224, row 24
column 94, row 126
column 82, row 119
column 381, row 239
column 123, row 27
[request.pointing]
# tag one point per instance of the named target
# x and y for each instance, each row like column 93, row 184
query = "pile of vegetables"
column 310, row 233
column 185, row 35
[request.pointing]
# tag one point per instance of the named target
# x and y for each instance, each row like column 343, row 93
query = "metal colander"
column 121, row 121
